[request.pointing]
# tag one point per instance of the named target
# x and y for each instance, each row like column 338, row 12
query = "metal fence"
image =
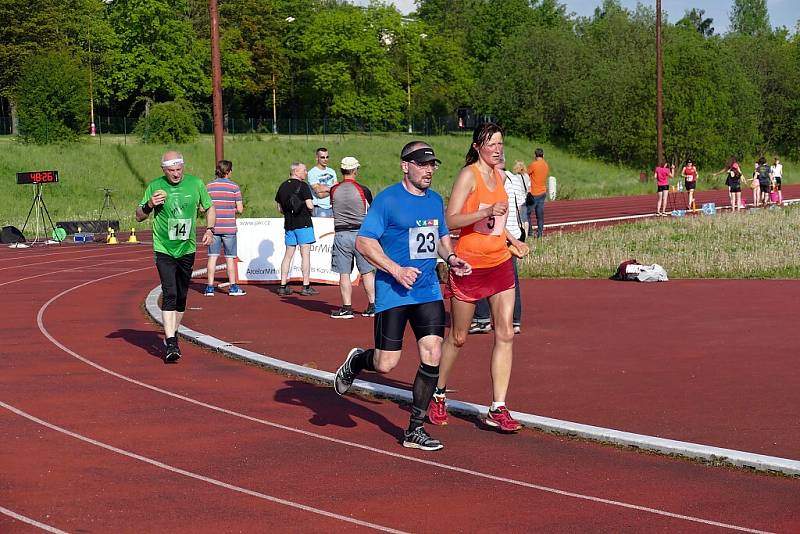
column 125, row 126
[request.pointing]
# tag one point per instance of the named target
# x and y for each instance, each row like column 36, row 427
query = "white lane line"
column 46, row 333
column 62, row 260
column 80, row 267
column 28, row 520
column 213, row 481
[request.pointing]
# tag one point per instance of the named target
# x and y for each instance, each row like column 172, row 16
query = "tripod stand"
column 108, row 203
column 39, row 223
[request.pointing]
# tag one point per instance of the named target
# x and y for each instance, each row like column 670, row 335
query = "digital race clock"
column 37, row 177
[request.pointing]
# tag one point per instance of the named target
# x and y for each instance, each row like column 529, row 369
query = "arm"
column 157, row 199
column 372, row 250
column 461, row 267
column 463, row 186
column 280, row 209
column 322, row 191
column 211, row 220
column 239, row 206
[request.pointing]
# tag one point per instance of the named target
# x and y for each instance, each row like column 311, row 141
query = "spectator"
column 538, row 171
column 350, row 201
column 294, row 201
column 764, row 175
column 227, row 199
column 524, row 213
column 777, row 177
column 321, row 178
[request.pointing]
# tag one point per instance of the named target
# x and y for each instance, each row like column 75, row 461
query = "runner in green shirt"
column 175, row 198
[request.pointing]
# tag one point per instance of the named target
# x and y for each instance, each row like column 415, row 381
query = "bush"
column 52, row 98
column 169, row 123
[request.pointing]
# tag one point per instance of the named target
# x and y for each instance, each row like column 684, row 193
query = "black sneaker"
column 370, row 311
column 342, row 313
column 419, row 439
column 308, row 291
column 479, row 327
column 284, row 291
column 172, row 352
column 344, row 375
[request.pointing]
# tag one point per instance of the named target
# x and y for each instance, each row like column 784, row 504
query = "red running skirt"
column 481, row 283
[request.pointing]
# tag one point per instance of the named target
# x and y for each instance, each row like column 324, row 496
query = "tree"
column 695, row 19
column 52, row 97
column 750, row 17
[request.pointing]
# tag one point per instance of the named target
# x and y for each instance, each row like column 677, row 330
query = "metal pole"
column 91, row 91
column 274, row 107
column 408, row 76
column 659, row 89
column 216, row 82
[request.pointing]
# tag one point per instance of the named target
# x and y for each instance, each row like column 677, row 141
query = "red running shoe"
column 501, row 419
column 437, row 410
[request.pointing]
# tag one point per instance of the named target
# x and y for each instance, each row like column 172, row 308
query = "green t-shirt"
column 174, row 221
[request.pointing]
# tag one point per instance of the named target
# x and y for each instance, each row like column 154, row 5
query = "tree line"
column 587, row 83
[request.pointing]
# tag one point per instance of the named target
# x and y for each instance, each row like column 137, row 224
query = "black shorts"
column 690, row 185
column 735, row 188
column 175, row 274
column 764, row 187
column 778, row 183
column 426, row 320
column 661, row 188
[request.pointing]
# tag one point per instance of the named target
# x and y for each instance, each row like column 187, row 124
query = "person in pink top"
column 663, row 173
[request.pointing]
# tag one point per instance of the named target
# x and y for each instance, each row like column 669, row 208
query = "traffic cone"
column 132, row 237
column 112, row 239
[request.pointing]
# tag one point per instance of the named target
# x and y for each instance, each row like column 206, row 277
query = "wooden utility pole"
column 659, row 89
column 216, row 82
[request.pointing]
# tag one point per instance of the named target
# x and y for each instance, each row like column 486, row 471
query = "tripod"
column 108, row 203
column 38, row 218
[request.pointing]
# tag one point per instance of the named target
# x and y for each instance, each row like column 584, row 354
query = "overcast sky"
column 781, row 12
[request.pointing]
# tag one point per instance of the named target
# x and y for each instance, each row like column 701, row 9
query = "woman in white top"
column 777, row 175
column 520, row 170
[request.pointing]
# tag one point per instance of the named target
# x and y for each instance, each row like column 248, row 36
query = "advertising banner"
column 260, row 247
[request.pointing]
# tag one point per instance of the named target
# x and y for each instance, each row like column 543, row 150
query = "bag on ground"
column 627, row 271
column 652, row 273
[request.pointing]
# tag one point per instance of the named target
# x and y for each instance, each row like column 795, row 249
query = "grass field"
column 757, row 243
column 260, row 164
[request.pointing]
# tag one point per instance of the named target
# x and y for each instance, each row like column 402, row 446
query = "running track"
column 100, row 435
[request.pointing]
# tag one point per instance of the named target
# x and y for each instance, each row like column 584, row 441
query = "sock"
column 363, row 360
column 439, row 392
column 497, row 405
column 347, row 306
column 424, row 384
column 172, row 340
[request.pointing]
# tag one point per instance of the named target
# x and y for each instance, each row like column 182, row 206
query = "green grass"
column 751, row 244
column 261, row 162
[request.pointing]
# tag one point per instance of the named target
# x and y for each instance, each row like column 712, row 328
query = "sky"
column 781, row 12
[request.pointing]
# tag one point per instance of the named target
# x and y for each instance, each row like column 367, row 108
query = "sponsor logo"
column 427, row 222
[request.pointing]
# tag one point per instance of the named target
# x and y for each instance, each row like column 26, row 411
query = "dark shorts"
column 426, row 320
column 661, row 188
column 764, row 187
column 735, row 188
column 778, row 183
column 175, row 274
column 690, row 185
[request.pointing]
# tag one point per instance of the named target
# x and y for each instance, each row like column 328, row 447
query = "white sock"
column 497, row 405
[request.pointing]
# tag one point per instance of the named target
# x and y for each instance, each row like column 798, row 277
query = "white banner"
column 260, row 247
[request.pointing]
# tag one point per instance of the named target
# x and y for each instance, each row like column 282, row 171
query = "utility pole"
column 659, row 89
column 216, row 82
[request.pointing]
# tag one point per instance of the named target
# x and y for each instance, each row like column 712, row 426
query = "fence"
column 125, row 126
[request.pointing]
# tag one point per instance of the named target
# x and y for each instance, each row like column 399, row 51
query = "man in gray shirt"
column 350, row 201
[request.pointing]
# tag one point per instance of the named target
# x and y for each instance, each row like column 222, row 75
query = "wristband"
column 447, row 260
column 147, row 208
column 210, row 229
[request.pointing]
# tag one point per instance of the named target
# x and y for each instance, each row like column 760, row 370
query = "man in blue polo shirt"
column 402, row 235
column 322, row 178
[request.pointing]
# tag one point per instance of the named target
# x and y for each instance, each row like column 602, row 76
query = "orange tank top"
column 483, row 244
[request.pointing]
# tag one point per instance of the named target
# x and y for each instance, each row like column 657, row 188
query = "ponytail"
column 223, row 167
column 480, row 136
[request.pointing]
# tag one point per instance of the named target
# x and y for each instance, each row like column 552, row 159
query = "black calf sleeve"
column 424, row 384
column 364, row 360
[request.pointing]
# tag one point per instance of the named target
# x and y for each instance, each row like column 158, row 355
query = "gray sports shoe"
column 345, row 375
column 419, row 439
column 308, row 291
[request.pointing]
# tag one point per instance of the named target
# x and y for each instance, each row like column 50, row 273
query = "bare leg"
column 231, row 270
column 461, row 314
column 346, row 289
column 211, row 266
column 502, row 305
column 172, row 321
column 368, row 280
column 286, row 263
column 305, row 263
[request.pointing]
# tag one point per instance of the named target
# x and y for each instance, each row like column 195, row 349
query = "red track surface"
column 283, row 444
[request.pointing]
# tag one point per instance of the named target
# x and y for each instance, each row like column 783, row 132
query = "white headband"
column 171, row 162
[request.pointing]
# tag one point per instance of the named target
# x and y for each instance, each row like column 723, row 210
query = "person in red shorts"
column 479, row 207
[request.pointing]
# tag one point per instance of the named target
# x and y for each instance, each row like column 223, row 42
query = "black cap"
column 421, row 155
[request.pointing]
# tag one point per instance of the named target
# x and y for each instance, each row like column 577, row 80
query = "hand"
column 158, row 198
column 406, row 276
column 459, row 266
column 498, row 208
column 208, row 236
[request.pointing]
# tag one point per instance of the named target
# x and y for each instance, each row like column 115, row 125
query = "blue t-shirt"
column 325, row 177
column 408, row 228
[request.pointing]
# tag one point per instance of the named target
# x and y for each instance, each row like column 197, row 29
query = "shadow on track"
column 148, row 340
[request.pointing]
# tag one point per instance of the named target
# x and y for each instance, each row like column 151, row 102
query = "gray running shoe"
column 308, row 291
column 370, row 311
column 284, row 291
column 342, row 313
column 419, row 439
column 345, row 375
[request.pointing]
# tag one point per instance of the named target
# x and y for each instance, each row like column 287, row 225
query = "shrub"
column 169, row 123
column 52, row 98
